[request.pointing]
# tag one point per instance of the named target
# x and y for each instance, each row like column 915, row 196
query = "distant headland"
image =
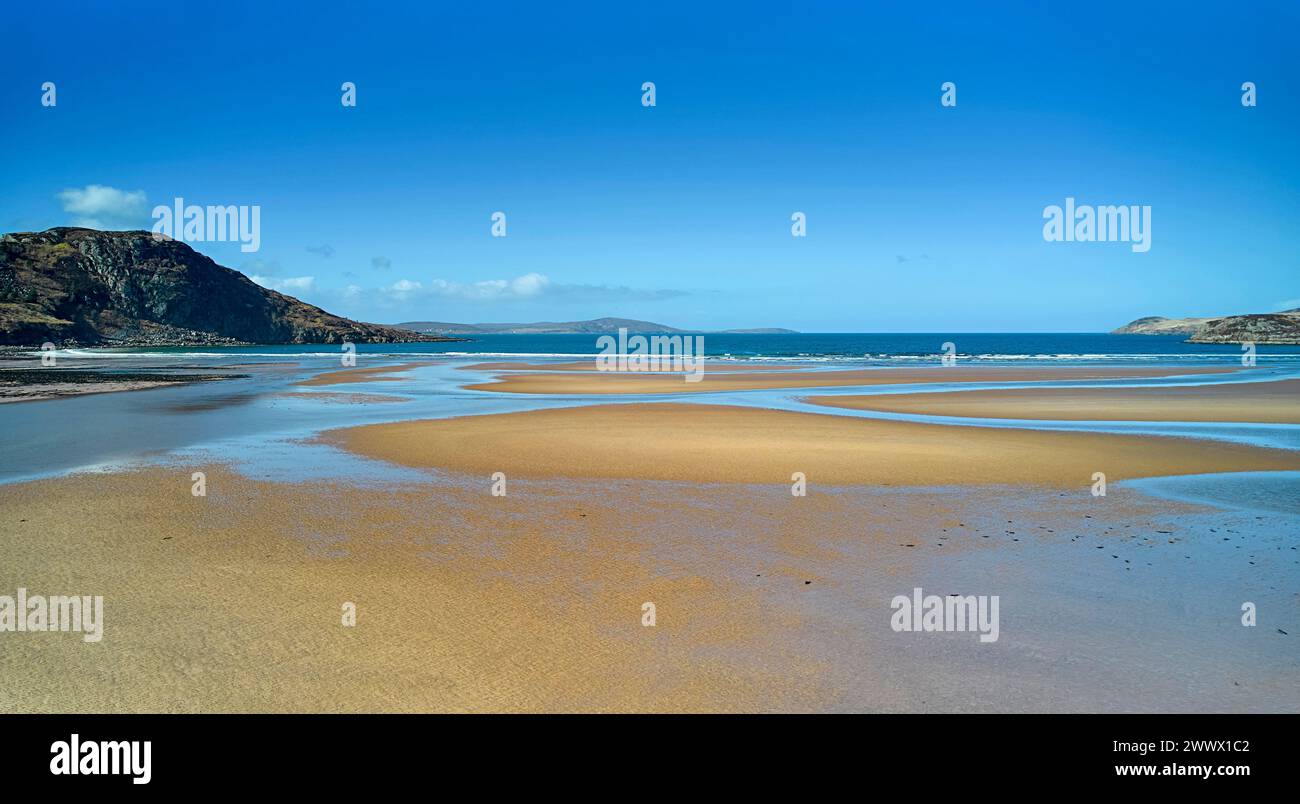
column 595, row 326
column 1275, row 328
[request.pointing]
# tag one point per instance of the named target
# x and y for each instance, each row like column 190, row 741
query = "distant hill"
column 1159, row 325
column 1277, row 328
column 87, row 287
column 596, row 326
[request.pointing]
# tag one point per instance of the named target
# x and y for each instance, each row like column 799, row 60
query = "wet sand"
column 629, row 383
column 590, row 365
column 724, row 444
column 465, row 602
column 366, row 374
column 1264, row 402
column 342, row 398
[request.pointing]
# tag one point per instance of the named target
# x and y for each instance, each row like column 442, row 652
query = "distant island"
column 595, row 326
column 74, row 286
column 1275, row 328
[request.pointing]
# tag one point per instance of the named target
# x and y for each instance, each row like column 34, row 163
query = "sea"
column 851, row 348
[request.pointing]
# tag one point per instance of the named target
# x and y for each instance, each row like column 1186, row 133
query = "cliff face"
column 86, row 287
column 1279, row 328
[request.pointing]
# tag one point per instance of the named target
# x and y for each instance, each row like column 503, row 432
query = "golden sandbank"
column 723, row 444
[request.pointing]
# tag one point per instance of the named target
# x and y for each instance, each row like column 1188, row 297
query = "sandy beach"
column 232, row 602
column 551, row 359
column 1267, row 402
column 533, row 601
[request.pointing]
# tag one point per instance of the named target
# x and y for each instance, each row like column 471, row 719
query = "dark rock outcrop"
column 87, row 287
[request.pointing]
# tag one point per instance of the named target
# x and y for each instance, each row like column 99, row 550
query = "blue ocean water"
column 869, row 348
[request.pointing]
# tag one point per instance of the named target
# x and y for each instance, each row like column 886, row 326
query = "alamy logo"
column 653, row 353
column 210, row 224
column 952, row 613
column 1083, row 223
column 83, row 614
column 72, row 757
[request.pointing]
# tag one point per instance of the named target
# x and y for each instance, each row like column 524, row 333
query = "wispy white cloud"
column 526, row 286
column 289, row 284
column 532, row 286
column 414, row 296
column 403, row 289
column 98, row 206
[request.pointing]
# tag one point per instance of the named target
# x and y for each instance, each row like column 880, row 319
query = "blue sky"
column 920, row 218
